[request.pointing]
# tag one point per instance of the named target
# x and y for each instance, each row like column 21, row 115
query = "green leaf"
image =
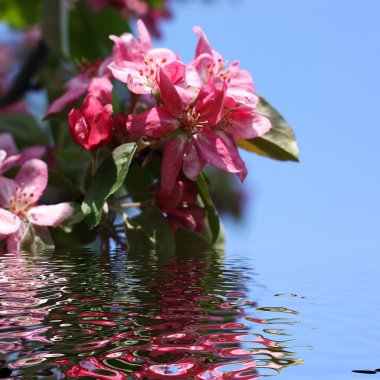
column 21, row 13
column 107, row 180
column 24, row 129
column 212, row 213
column 90, row 31
column 37, row 239
column 155, row 230
column 55, row 26
column 279, row 143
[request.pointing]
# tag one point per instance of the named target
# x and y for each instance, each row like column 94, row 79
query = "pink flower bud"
column 91, row 125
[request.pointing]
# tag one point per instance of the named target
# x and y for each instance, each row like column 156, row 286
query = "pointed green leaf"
column 279, row 143
column 24, row 129
column 107, row 180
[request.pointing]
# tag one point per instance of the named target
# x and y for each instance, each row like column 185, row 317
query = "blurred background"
column 318, row 63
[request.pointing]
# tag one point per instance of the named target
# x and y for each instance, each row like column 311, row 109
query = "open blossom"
column 181, row 207
column 94, row 80
column 205, row 129
column 209, row 62
column 136, row 63
column 18, row 199
column 91, row 125
column 10, row 155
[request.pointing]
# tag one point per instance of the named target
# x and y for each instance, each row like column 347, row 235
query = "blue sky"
column 317, row 62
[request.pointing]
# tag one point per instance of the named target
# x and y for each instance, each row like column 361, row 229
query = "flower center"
column 21, row 202
column 149, row 68
column 191, row 123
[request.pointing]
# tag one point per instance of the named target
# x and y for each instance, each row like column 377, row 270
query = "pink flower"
column 93, row 80
column 209, row 62
column 19, row 197
column 181, row 208
column 198, row 141
column 10, row 155
column 91, row 125
column 136, row 63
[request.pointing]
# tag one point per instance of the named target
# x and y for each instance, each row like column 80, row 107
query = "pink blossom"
column 19, row 197
column 10, row 155
column 198, row 141
column 136, row 63
column 209, row 62
column 94, row 80
column 91, row 125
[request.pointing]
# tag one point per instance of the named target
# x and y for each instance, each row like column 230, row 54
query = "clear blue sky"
column 318, row 62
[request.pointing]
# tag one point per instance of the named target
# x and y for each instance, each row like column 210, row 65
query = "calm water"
column 114, row 315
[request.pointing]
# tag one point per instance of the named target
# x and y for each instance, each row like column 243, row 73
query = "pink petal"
column 193, row 163
column 172, row 162
column 7, row 143
column 68, row 98
column 144, row 37
column 14, row 240
column 33, row 177
column 100, row 129
column 220, row 150
column 78, row 128
column 7, row 190
column 9, row 223
column 9, row 162
column 210, row 101
column 203, row 45
column 175, row 71
column 90, row 107
column 49, row 216
column 3, row 154
column 169, row 95
column 155, row 123
column 32, row 152
column 101, row 88
column 244, row 123
column 168, row 202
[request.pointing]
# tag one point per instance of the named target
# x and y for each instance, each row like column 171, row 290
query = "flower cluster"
column 19, row 196
column 191, row 112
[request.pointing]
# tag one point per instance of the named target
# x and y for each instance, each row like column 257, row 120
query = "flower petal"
column 7, row 190
column 210, row 101
column 69, row 97
column 33, row 177
column 144, row 37
column 219, row 149
column 169, row 94
column 172, row 162
column 49, row 216
column 203, row 45
column 193, row 163
column 101, row 88
column 9, row 223
column 155, row 123
column 7, row 143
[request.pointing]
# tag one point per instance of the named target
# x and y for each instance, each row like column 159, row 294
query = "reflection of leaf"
column 24, row 129
column 212, row 214
column 150, row 229
column 37, row 239
column 279, row 143
column 107, row 180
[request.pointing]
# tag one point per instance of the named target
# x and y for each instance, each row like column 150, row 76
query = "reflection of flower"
column 19, row 198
